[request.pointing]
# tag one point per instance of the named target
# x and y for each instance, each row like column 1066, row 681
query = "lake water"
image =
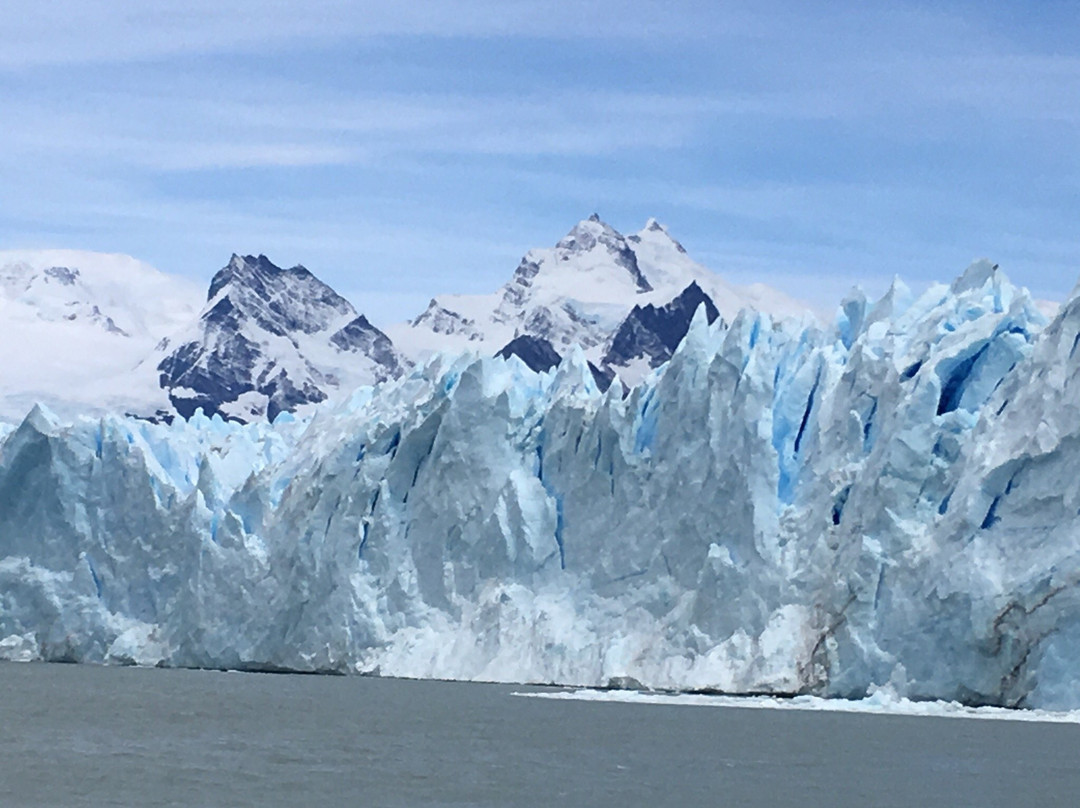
column 86, row 736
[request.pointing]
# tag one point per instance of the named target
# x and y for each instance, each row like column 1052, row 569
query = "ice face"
column 777, row 509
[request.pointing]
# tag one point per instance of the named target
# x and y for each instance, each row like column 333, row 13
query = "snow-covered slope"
column 76, row 325
column 669, row 268
column 776, row 509
column 578, row 293
column 270, row 340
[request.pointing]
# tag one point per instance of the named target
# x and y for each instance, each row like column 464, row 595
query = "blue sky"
column 401, row 151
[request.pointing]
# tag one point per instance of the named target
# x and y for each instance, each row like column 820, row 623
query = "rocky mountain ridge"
column 270, row 339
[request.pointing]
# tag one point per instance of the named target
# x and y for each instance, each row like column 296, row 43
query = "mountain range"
column 109, row 333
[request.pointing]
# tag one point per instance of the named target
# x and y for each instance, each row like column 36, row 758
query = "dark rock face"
column 209, row 377
column 444, row 321
column 252, row 337
column 360, row 337
column 540, row 356
column 517, row 291
column 536, row 352
column 279, row 301
column 650, row 332
column 655, row 332
column 604, row 377
column 65, row 275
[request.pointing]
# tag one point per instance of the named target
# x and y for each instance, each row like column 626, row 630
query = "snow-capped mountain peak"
column 592, row 263
column 271, row 339
column 579, row 292
column 653, row 332
column 657, row 233
column 83, row 321
column 55, row 293
column 280, row 300
column 597, row 245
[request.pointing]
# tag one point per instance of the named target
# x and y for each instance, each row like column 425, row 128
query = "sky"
column 403, row 150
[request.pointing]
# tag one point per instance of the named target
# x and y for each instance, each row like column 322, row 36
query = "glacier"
column 780, row 508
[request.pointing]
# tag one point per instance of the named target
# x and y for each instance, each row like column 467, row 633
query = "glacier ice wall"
column 777, row 509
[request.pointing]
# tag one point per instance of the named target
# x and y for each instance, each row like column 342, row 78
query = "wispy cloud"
column 75, row 32
column 288, row 125
column 433, row 142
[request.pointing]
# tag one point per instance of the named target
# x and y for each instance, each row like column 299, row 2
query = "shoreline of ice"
column 881, row 703
column 884, row 701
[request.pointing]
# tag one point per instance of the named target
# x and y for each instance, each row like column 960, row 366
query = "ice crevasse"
column 780, row 509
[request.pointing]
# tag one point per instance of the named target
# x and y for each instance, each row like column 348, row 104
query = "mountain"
column 270, row 340
column 649, row 335
column 76, row 325
column 536, row 352
column 645, row 340
column 540, row 356
column 579, row 293
column 776, row 509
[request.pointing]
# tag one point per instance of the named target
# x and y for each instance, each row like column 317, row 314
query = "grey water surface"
column 73, row 735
